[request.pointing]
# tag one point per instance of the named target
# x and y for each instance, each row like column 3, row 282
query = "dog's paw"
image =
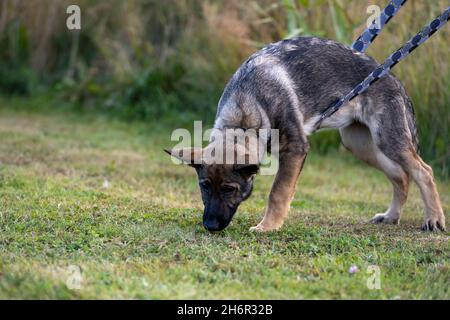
column 257, row 228
column 433, row 224
column 385, row 218
column 262, row 228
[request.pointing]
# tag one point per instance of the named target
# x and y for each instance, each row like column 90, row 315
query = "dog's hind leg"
column 393, row 132
column 423, row 176
column 357, row 138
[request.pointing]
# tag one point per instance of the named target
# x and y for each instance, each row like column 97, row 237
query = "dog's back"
column 294, row 81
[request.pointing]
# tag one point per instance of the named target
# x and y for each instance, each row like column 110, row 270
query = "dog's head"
column 223, row 186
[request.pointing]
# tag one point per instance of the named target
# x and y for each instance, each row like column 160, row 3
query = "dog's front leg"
column 283, row 189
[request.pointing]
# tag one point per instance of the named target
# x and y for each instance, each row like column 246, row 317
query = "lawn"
column 101, row 195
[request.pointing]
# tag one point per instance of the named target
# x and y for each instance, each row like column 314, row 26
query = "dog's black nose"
column 212, row 225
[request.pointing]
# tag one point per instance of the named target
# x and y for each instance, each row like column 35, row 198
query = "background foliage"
column 169, row 60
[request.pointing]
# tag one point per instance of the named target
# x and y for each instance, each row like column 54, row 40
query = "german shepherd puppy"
column 287, row 86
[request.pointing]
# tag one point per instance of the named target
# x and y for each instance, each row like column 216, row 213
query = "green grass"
column 141, row 237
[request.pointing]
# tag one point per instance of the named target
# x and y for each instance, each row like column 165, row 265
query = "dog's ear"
column 246, row 170
column 189, row 156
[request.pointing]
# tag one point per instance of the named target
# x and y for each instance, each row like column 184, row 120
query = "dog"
column 287, row 86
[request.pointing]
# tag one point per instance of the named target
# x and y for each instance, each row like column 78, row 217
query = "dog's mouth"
column 212, row 226
column 218, row 223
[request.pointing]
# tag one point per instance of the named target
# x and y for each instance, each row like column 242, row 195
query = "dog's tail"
column 411, row 118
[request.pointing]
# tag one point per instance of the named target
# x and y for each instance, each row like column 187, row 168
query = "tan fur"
column 423, row 176
column 282, row 192
column 358, row 140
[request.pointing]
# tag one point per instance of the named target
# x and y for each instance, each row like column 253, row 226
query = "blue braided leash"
column 388, row 64
column 369, row 35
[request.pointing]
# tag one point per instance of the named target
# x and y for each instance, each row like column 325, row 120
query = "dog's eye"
column 228, row 188
column 205, row 184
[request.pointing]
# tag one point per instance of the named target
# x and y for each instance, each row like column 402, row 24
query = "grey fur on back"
column 286, row 85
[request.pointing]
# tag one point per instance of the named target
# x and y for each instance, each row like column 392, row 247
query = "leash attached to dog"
column 388, row 64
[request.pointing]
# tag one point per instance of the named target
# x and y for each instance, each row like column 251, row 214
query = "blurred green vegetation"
column 150, row 59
